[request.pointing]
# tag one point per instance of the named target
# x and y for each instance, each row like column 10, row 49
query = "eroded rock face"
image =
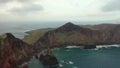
column 13, row 51
column 48, row 59
column 70, row 34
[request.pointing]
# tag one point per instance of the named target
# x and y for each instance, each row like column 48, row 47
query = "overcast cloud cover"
column 112, row 6
column 19, row 11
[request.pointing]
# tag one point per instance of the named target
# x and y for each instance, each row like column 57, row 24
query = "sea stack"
column 48, row 59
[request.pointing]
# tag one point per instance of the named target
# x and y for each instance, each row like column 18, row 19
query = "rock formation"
column 13, row 51
column 70, row 34
column 48, row 59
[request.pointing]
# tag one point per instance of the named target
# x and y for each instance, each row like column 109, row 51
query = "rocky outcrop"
column 48, row 59
column 70, row 34
column 13, row 51
column 89, row 46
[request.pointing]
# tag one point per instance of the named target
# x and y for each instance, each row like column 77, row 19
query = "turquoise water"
column 80, row 58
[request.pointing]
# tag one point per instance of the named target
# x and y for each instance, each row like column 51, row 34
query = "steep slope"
column 13, row 51
column 34, row 35
column 114, row 35
column 69, row 34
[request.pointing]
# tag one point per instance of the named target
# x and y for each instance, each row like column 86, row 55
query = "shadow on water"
column 51, row 66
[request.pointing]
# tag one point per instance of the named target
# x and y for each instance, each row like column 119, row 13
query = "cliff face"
column 13, row 51
column 34, row 35
column 114, row 35
column 70, row 34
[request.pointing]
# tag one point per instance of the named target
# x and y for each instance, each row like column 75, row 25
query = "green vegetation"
column 100, row 26
column 70, row 37
column 70, row 34
column 35, row 35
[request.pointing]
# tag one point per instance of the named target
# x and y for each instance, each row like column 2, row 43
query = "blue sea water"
column 73, row 57
column 81, row 58
column 18, row 29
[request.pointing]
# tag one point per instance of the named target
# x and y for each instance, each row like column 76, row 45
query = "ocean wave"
column 73, row 47
column 67, row 62
column 60, row 65
column 56, row 49
column 25, row 63
column 105, row 46
column 70, row 62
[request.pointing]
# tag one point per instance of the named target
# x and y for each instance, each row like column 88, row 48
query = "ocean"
column 18, row 29
column 73, row 57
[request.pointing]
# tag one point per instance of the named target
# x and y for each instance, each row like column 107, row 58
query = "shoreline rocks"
column 48, row 59
column 89, row 46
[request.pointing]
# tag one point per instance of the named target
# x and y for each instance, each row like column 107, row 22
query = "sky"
column 19, row 16
column 41, row 11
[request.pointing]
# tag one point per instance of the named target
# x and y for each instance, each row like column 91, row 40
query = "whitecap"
column 105, row 46
column 60, row 65
column 25, row 63
column 72, row 47
column 70, row 62
column 56, row 49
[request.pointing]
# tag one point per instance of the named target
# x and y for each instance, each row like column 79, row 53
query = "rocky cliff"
column 71, row 34
column 13, row 51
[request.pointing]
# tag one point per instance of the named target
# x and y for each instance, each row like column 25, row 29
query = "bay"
column 81, row 58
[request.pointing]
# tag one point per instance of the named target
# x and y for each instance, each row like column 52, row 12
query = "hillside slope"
column 34, row 35
column 71, row 34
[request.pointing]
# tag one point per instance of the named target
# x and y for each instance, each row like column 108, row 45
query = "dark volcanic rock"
column 13, row 51
column 89, row 46
column 48, row 59
column 69, row 25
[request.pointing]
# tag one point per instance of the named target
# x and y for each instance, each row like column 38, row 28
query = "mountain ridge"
column 70, row 34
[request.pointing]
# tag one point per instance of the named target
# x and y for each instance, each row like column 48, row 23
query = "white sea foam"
column 25, row 63
column 72, row 47
column 105, row 46
column 56, row 49
column 67, row 62
column 70, row 62
column 60, row 65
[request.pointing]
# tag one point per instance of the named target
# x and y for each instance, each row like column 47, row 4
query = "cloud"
column 20, row 6
column 58, row 10
column 26, row 8
column 6, row 1
column 113, row 5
